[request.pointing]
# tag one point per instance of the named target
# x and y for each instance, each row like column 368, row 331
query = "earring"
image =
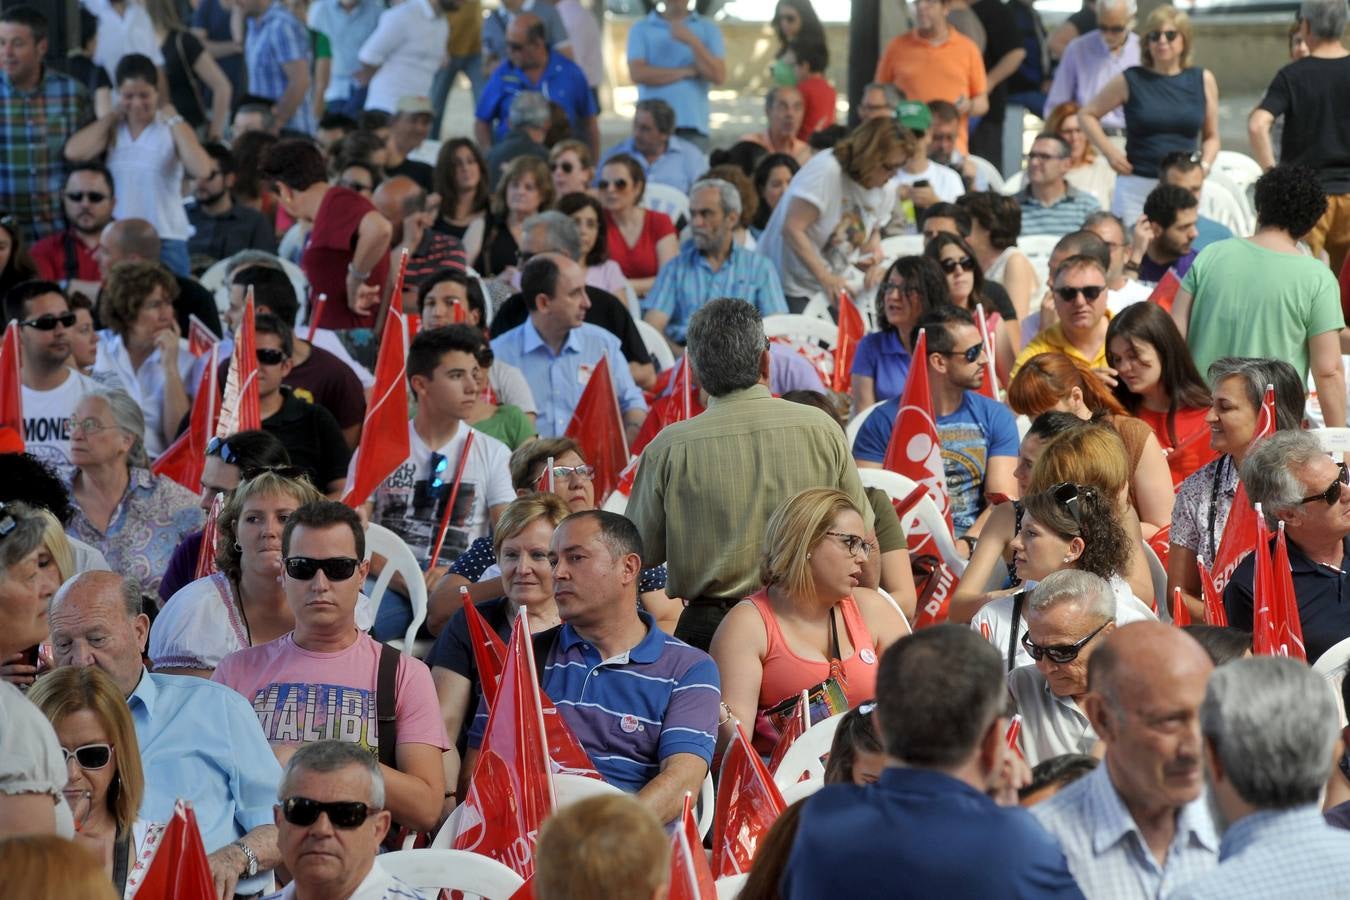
column 1066, row 560
column 239, row 549
column 808, row 556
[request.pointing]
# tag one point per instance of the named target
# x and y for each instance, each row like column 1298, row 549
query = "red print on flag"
column 1215, row 612
column 200, row 338
column 1276, row 629
column 915, row 450
column 384, row 435
column 171, row 862
column 597, row 427
column 851, row 331
column 748, row 802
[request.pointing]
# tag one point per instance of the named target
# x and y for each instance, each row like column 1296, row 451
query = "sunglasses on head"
column 620, row 184
column 80, row 196
column 49, row 321
column 1332, row 494
column 303, row 811
column 951, row 265
column 1169, row 34
column 292, row 472
column 89, row 756
column 1090, row 293
column 269, row 356
column 1060, row 653
column 1068, row 495
column 335, row 568
column 218, row 446
column 7, row 522
column 565, row 167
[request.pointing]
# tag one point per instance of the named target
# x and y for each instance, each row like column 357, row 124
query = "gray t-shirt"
column 30, row 757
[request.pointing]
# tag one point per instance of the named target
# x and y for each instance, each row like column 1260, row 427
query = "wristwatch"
column 251, row 868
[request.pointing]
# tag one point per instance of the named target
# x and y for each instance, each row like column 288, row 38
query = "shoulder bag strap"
column 1014, row 627
column 386, row 702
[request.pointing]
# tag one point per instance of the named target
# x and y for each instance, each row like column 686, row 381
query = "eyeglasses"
column 221, row 448
column 1090, row 293
column 951, row 265
column 90, row 756
column 1169, row 34
column 853, row 543
column 1037, row 156
column 1067, row 495
column 359, row 186
column 564, row 473
column 81, row 196
column 49, row 321
column 1060, row 653
column 515, row 47
column 336, row 568
column 565, row 167
column 269, row 356
column 619, row 184
column 88, row 425
column 343, row 814
column 293, row 472
column 1333, row 493
column 970, row 354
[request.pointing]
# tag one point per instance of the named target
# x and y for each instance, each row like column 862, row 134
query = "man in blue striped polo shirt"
column 1050, row 205
column 643, row 704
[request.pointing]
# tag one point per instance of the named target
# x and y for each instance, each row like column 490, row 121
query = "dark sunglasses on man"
column 1068, row 294
column 1060, row 653
column 970, row 354
column 270, row 356
column 81, row 196
column 1332, row 495
column 344, row 814
column 335, row 568
column 49, row 321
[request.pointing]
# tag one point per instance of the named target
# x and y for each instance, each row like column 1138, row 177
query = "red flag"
column 1215, row 612
column 1161, row 544
column 690, row 876
column 915, row 450
column 546, row 482
column 384, row 434
column 1284, row 604
column 171, row 862
column 1264, row 640
column 525, row 891
column 511, row 792
column 11, row 388
column 1181, row 615
column 185, row 458
column 240, row 409
column 450, row 501
column 457, row 315
column 1013, row 736
column 597, row 427
column 987, row 384
column 200, row 338
column 489, row 650
column 206, row 552
column 747, row 803
column 1240, row 531
column 851, row 331
column 1165, row 292
column 794, row 728
column 314, row 315
column 679, row 404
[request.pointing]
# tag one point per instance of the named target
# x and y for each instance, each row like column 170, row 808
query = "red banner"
column 11, row 389
column 384, row 442
column 1165, row 292
column 597, row 427
column 206, row 552
column 1181, row 614
column 185, row 458
column 171, row 862
column 1215, row 612
column 851, row 331
column 690, row 876
column 200, row 338
column 748, row 802
column 1264, row 641
column 915, row 449
column 679, row 404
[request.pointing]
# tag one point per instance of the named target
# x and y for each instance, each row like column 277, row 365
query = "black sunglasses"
column 303, row 811
column 293, row 472
column 620, row 184
column 49, row 321
column 1060, row 653
column 566, row 167
column 1170, row 34
column 1090, row 293
column 511, row 45
column 951, row 265
column 80, row 196
column 359, row 186
column 1068, row 495
column 89, row 756
column 1113, row 29
column 970, row 354
column 270, row 356
column 336, row 568
column 1333, row 493
column 7, row 522
column 220, row 447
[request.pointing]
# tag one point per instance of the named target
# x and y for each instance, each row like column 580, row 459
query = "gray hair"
column 1268, row 470
column 1290, row 394
column 529, row 109
column 333, row 756
column 663, row 114
column 128, row 589
column 1090, row 591
column 892, row 93
column 1104, row 215
column 23, row 538
column 1128, row 5
column 1273, row 723
column 129, row 418
column 731, row 198
column 561, row 235
column 726, row 341
column 772, row 95
column 1325, row 18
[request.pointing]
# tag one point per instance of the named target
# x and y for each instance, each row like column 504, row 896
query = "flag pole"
column 450, row 502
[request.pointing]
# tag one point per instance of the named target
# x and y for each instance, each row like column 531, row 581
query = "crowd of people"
column 271, row 173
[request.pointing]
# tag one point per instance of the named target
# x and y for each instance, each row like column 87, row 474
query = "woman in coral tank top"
column 811, row 627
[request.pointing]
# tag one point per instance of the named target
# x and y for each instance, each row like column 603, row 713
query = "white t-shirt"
column 152, row 175
column 30, row 756
column 408, row 505
column 46, row 420
column 510, row 386
column 945, row 182
column 848, row 215
column 378, row 885
column 408, row 45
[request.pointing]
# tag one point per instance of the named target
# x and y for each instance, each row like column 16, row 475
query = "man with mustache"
column 1139, row 825
column 68, row 256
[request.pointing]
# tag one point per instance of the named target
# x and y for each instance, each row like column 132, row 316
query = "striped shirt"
column 34, row 127
column 273, row 40
column 1063, row 216
column 687, row 282
column 1106, row 851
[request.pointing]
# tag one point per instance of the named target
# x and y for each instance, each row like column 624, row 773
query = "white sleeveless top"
column 1000, row 265
column 149, row 179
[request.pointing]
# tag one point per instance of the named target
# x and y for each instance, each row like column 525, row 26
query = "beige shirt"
column 1051, row 725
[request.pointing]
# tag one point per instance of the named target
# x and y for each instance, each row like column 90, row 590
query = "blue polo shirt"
column 650, row 41
column 562, row 82
column 920, row 833
column 680, row 166
column 687, row 282
column 882, row 358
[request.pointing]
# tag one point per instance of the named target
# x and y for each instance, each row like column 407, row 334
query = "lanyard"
column 1214, row 506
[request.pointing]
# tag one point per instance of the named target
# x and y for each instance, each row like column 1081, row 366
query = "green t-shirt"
column 508, row 425
column 1250, row 301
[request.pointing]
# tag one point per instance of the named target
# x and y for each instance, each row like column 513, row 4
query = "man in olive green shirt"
column 707, row 486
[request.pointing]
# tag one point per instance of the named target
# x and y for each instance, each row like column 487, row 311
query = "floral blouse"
column 1191, row 514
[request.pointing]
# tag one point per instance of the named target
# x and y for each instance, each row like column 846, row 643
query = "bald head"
column 96, row 620
column 527, row 41
column 399, row 197
column 1146, row 657
column 130, row 239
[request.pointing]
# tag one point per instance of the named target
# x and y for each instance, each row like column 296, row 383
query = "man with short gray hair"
column 745, row 455
column 1068, row 615
column 784, row 110
column 528, row 123
column 665, row 158
column 879, row 100
column 1297, row 483
column 711, row 265
column 1093, row 59
column 1269, row 728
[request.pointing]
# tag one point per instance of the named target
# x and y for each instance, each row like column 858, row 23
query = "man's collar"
column 754, row 392
column 147, row 692
column 1257, row 826
column 647, row 650
column 534, row 340
column 1300, row 563
column 1114, row 821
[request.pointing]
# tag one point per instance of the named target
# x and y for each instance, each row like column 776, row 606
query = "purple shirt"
column 1087, row 66
column 790, row 371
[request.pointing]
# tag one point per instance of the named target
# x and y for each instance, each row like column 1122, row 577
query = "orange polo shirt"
column 924, row 71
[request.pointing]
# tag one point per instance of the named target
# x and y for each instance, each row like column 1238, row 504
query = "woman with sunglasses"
column 242, row 603
column 573, row 167
column 967, row 288
column 1088, row 170
column 601, row 271
column 772, row 175
column 105, row 783
column 526, row 188
column 811, row 627
column 913, row 285
column 461, row 180
column 133, row 516
column 1157, row 382
column 16, row 266
column 1169, row 105
column 640, row 240
column 1237, row 385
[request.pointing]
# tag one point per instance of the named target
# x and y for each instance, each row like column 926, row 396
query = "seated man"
column 922, row 183
column 321, row 681
column 978, row 435
column 1121, row 289
column 409, row 127
column 665, row 158
column 1296, row 482
column 947, row 129
column 1168, row 238
column 879, row 100
column 198, row 742
column 783, row 110
column 650, row 723
column 1185, row 170
column 222, row 227
column 403, row 202
column 1080, row 307
column 1050, row 205
column 69, row 257
column 711, row 265
column 1076, row 243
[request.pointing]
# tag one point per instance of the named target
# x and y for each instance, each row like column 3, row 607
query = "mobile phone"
column 922, row 182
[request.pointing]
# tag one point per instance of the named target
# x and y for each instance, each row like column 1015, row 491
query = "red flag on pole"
column 1240, row 531
column 988, row 387
column 679, row 404
column 597, row 427
column 794, row 728
column 384, row 435
column 747, row 803
column 314, row 315
column 1013, row 736
column 185, row 458
column 511, row 792
column 206, row 552
column 915, row 450
column 690, row 876
column 851, row 331
column 11, row 388
column 1215, row 612
column 171, row 862
column 1165, row 292
column 1264, row 641
column 489, row 650
column 1284, row 604
column 200, row 338
column 1181, row 615
column 240, row 408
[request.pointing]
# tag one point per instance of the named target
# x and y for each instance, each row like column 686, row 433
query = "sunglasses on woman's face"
column 619, row 184
column 951, row 265
column 1169, row 34
column 89, row 756
column 343, row 814
column 336, row 568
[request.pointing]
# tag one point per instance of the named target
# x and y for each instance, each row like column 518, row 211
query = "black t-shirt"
column 1002, row 36
column 1313, row 95
column 997, row 295
column 453, row 650
column 606, row 310
column 195, row 300
column 312, row 437
column 419, row 172
column 181, row 50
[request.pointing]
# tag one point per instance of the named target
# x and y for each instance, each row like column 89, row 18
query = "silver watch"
column 251, row 868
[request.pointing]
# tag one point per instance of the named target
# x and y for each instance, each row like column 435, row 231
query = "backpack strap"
column 386, row 702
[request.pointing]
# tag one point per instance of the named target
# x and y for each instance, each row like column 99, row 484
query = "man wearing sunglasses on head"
column 1297, row 483
column 328, row 680
column 1079, row 291
column 330, row 822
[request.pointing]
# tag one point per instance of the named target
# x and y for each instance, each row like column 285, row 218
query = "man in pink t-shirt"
column 319, row 682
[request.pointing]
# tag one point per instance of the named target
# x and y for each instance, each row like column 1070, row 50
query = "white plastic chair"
column 804, row 329
column 990, row 172
column 656, row 345
column 805, row 753
column 1225, row 204
column 892, row 248
column 430, row 871
column 923, row 517
column 1238, row 168
column 1037, row 248
column 705, row 805
column 630, row 298
column 569, row 788
column 483, row 292
column 1013, row 185
column 213, row 279
column 818, row 307
column 664, row 198
column 1158, row 574
column 801, row 790
column 382, row 541
column 1332, row 666
column 856, row 423
column 730, row 887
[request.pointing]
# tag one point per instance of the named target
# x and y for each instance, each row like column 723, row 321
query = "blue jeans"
column 393, row 616
column 174, row 254
column 353, row 104
column 472, row 67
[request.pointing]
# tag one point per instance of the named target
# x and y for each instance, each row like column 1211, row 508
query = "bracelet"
column 726, row 714
column 969, row 541
column 1131, row 266
column 353, row 272
column 174, row 120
